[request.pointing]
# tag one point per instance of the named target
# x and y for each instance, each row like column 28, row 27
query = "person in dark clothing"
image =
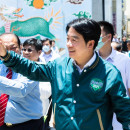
column 124, row 44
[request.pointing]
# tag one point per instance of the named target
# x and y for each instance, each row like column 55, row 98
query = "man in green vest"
column 86, row 90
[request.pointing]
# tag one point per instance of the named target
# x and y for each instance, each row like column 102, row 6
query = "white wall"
column 108, row 10
column 119, row 17
column 97, row 13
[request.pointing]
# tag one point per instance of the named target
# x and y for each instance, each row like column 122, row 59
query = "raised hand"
column 3, row 49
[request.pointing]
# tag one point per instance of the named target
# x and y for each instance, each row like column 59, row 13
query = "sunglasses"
column 29, row 49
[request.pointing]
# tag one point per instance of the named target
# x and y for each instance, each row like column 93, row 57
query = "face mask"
column 100, row 43
column 46, row 48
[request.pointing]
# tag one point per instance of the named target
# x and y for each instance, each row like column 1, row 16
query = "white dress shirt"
column 45, row 93
column 49, row 57
column 45, row 90
column 122, row 63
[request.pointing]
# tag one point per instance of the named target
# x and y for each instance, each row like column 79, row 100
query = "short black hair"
column 53, row 41
column 35, row 42
column 17, row 38
column 107, row 28
column 47, row 39
column 88, row 28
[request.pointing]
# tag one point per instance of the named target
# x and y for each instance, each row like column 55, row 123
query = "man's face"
column 47, row 47
column 30, row 52
column 10, row 42
column 124, row 39
column 53, row 43
column 105, row 39
column 76, row 45
column 47, row 43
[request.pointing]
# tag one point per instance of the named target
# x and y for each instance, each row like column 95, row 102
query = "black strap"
column 50, row 110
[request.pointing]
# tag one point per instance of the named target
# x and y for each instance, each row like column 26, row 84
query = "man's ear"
column 109, row 36
column 90, row 44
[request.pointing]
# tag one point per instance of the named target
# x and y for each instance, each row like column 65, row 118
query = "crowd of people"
column 89, row 90
column 121, row 45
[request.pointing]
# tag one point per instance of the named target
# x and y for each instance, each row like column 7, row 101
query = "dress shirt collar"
column 47, row 54
column 89, row 63
column 41, row 60
column 111, row 56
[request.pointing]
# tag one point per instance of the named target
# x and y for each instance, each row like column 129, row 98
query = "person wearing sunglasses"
column 31, row 50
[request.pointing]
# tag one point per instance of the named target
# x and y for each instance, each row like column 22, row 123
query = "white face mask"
column 100, row 43
column 46, row 48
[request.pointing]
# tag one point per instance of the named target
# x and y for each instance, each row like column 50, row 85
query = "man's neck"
column 82, row 62
column 105, row 51
column 47, row 53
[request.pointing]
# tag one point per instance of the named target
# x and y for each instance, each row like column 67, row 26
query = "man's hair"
column 53, row 41
column 17, row 38
column 107, row 28
column 35, row 42
column 47, row 39
column 88, row 28
column 118, row 47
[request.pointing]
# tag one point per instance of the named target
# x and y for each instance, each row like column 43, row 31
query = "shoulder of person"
column 123, row 56
column 3, row 68
column 108, row 65
column 63, row 60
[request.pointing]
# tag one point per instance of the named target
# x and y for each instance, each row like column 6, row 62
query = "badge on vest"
column 96, row 84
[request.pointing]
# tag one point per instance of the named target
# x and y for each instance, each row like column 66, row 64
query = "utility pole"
column 103, row 10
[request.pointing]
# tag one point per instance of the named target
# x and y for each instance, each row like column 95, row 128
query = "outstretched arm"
column 18, row 88
column 30, row 69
